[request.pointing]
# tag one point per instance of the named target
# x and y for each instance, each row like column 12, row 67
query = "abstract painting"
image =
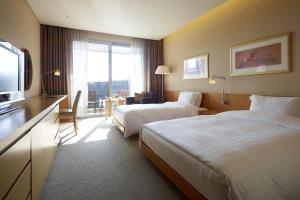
column 271, row 55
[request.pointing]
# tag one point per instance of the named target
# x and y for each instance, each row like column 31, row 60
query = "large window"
column 97, row 73
column 109, row 73
column 121, row 71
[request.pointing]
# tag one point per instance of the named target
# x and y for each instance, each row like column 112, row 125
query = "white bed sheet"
column 132, row 117
column 186, row 166
column 255, row 154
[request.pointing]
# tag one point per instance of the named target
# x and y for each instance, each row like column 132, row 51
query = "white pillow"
column 277, row 105
column 187, row 97
column 199, row 98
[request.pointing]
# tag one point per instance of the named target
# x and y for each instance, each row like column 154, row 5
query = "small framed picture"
column 196, row 67
column 268, row 55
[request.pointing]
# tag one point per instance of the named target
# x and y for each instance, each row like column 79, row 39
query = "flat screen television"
column 11, row 74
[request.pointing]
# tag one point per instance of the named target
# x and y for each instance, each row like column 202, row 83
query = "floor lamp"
column 56, row 73
column 162, row 70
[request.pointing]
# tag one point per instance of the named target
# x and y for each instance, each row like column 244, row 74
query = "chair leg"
column 75, row 131
column 75, row 126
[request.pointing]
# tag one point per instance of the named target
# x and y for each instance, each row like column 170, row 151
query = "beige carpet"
column 99, row 163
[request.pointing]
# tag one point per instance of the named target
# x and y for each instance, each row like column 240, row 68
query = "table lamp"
column 55, row 72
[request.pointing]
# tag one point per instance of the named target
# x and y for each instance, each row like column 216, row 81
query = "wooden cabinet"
column 12, row 163
column 43, row 150
column 29, row 197
column 28, row 148
column 29, row 160
column 21, row 188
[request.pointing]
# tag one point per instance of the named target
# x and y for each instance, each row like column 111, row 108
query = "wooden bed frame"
column 187, row 189
column 118, row 125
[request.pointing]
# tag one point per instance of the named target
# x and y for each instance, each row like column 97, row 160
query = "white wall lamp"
column 162, row 70
column 213, row 81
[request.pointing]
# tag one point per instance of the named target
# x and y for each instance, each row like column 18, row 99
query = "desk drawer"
column 43, row 148
column 29, row 197
column 12, row 162
column 22, row 187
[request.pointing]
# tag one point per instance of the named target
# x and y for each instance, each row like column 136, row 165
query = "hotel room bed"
column 232, row 155
column 129, row 118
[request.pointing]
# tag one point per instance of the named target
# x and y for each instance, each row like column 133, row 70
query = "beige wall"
column 19, row 25
column 232, row 23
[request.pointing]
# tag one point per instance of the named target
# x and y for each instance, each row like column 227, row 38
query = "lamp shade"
column 56, row 73
column 162, row 69
column 212, row 81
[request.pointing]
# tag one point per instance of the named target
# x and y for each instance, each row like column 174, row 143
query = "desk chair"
column 68, row 114
column 92, row 100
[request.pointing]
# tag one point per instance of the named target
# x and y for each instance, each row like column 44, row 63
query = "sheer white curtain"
column 138, row 72
column 78, row 71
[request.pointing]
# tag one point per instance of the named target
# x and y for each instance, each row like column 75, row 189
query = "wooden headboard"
column 212, row 101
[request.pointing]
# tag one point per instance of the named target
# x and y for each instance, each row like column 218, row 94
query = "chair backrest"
column 150, row 94
column 92, row 95
column 75, row 104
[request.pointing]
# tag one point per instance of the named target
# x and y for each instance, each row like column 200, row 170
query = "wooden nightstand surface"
column 209, row 112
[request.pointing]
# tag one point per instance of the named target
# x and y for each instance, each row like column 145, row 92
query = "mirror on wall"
column 28, row 69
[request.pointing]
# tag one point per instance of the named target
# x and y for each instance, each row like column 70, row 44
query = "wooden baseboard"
column 187, row 189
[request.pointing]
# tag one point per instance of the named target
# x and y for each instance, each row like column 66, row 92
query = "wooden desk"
column 27, row 147
column 14, row 125
column 108, row 105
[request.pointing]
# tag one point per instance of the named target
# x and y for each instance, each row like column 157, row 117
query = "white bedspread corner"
column 257, row 152
column 134, row 116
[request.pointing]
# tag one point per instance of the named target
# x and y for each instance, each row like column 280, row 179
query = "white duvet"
column 138, row 114
column 256, row 154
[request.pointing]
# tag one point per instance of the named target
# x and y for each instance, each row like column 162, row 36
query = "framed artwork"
column 268, row 55
column 196, row 67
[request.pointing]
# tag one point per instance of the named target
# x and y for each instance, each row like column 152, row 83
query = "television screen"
column 9, row 70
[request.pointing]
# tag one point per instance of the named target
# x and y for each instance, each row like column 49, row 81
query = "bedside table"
column 108, row 105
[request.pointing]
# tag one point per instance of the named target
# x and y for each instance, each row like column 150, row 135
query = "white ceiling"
column 152, row 19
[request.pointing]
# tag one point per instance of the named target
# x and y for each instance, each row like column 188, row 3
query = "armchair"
column 147, row 100
column 142, row 98
column 130, row 100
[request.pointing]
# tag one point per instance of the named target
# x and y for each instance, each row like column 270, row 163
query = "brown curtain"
column 56, row 50
column 154, row 57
